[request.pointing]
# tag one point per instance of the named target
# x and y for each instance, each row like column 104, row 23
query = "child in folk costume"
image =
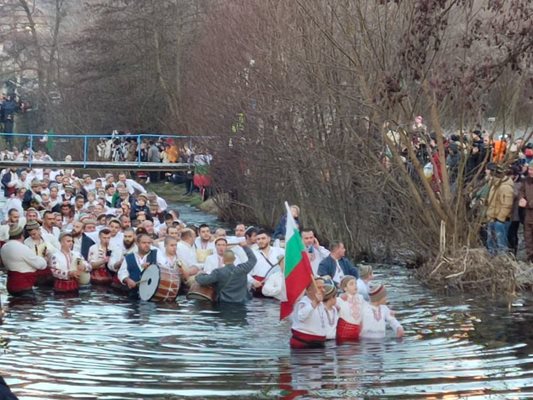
column 309, row 319
column 376, row 315
column 331, row 310
column 365, row 276
column 68, row 266
column 350, row 305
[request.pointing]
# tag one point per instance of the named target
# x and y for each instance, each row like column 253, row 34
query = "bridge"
column 89, row 151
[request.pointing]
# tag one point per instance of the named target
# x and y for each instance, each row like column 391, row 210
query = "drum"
column 199, row 292
column 85, row 278
column 159, row 284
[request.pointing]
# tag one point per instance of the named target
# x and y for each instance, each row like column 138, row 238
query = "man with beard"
column 13, row 218
column 315, row 252
column 118, row 252
column 49, row 230
column 268, row 261
column 82, row 242
column 117, row 256
column 135, row 263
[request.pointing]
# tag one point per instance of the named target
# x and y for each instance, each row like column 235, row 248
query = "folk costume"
column 22, row 264
column 64, row 262
column 99, row 276
column 268, row 261
column 349, row 324
column 309, row 325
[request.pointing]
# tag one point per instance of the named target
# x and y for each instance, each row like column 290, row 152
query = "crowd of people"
column 68, row 232
column 498, row 171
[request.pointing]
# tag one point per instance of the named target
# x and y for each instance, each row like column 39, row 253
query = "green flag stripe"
column 293, row 252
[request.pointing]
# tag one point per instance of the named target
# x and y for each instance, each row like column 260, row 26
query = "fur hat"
column 377, row 293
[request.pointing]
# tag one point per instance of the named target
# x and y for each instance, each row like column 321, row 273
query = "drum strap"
column 272, row 266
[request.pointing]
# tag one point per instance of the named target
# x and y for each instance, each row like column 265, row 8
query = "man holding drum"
column 67, row 266
column 134, row 263
column 230, row 281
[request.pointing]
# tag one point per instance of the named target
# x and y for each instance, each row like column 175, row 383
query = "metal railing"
column 85, row 145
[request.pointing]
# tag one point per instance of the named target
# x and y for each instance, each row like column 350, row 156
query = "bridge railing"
column 85, row 150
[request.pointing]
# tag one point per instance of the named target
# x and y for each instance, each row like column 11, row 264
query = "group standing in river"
column 70, row 233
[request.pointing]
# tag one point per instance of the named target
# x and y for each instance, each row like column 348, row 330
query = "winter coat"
column 500, row 199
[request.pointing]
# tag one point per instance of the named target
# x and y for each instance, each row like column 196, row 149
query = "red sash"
column 347, row 332
column 19, row 282
column 66, row 285
column 101, row 276
column 300, row 340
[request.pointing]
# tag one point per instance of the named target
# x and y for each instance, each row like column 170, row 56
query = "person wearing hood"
column 499, row 211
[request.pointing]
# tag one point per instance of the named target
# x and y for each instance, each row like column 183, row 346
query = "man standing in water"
column 135, row 263
column 316, row 252
column 21, row 263
column 230, row 280
column 268, row 258
column 336, row 265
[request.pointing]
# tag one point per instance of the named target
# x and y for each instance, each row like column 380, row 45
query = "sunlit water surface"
column 103, row 346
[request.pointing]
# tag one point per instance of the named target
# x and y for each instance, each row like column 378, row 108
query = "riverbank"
column 177, row 193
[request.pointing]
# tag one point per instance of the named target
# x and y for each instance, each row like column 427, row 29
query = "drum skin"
column 199, row 292
column 85, row 278
column 163, row 289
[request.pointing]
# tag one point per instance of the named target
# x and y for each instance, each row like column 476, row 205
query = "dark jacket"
column 328, row 267
column 5, row 180
column 526, row 192
column 231, row 281
column 279, row 232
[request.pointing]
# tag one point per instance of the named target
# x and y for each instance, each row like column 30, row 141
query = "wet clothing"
column 21, row 263
column 375, row 320
column 308, row 325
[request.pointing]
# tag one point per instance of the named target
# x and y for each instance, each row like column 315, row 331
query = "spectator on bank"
column 499, row 211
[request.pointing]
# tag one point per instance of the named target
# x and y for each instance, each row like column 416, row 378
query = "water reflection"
column 101, row 345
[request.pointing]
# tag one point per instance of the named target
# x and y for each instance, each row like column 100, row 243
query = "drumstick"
column 141, row 281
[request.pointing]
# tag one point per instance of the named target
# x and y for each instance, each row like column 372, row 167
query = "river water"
column 102, row 346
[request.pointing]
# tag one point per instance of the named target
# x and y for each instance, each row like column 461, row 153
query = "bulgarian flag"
column 298, row 272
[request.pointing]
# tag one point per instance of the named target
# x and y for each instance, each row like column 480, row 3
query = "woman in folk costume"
column 38, row 245
column 309, row 318
column 350, row 304
column 68, row 266
column 376, row 315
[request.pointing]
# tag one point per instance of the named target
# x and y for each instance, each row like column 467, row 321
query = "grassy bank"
column 173, row 193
